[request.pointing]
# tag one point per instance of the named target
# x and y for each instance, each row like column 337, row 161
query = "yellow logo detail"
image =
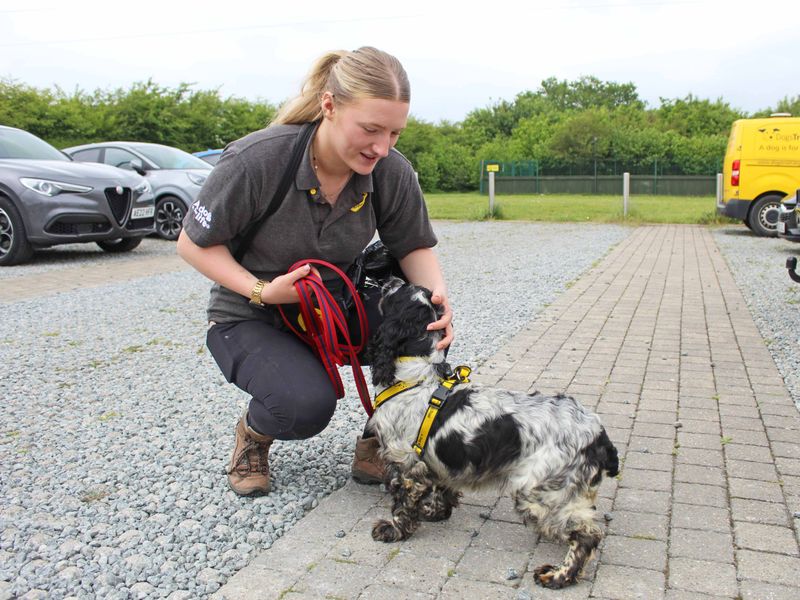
column 358, row 206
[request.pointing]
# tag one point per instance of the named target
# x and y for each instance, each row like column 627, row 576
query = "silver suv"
column 176, row 176
column 47, row 199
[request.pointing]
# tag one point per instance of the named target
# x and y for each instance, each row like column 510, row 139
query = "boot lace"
column 254, row 458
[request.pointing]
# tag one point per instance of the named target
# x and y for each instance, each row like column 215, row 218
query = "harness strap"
column 394, row 390
column 326, row 329
column 436, row 403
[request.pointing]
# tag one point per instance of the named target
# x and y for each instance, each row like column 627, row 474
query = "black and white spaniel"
column 548, row 452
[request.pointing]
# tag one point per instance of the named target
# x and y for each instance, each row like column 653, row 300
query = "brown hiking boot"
column 367, row 464
column 248, row 473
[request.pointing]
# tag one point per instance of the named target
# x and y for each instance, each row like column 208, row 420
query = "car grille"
column 119, row 203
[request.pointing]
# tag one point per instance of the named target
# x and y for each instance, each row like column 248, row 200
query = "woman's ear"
column 327, row 105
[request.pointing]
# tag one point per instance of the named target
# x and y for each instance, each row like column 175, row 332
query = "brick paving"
column 658, row 339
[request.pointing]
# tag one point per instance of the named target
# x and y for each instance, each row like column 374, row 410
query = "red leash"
column 326, row 328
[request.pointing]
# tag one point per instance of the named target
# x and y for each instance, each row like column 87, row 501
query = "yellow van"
column 762, row 166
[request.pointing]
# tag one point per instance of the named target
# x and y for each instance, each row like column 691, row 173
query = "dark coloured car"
column 47, row 199
column 175, row 176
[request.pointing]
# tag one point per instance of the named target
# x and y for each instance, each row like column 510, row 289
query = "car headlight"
column 49, row 188
column 143, row 188
column 196, row 179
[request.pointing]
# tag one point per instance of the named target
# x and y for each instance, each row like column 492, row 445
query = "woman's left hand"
column 445, row 322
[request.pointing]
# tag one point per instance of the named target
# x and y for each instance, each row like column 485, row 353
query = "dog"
column 548, row 452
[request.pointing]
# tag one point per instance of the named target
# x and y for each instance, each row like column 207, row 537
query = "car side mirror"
column 136, row 165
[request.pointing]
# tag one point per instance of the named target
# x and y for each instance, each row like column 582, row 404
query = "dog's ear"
column 381, row 353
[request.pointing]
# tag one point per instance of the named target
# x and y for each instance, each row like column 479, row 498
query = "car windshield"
column 15, row 143
column 165, row 157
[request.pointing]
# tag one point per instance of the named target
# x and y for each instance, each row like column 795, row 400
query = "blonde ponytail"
column 349, row 76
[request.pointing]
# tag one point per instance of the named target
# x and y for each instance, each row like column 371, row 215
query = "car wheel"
column 763, row 217
column 120, row 244
column 14, row 245
column 169, row 217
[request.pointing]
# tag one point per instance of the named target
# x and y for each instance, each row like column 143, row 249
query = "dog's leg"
column 408, row 488
column 439, row 503
column 584, row 535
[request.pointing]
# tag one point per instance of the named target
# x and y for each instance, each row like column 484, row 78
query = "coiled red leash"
column 326, row 328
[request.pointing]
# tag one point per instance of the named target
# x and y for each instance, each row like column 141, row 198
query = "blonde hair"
column 349, row 76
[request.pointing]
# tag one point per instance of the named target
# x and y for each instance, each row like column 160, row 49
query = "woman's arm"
column 422, row 268
column 217, row 263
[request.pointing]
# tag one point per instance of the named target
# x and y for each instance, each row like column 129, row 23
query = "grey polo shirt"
column 245, row 179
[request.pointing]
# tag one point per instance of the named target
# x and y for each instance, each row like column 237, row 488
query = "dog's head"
column 407, row 311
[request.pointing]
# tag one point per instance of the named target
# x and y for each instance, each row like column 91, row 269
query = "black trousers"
column 292, row 396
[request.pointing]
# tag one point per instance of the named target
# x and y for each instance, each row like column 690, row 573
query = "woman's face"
column 363, row 132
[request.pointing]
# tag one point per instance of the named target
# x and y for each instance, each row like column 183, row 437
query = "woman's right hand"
column 281, row 289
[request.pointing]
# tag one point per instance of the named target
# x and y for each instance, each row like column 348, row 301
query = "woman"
column 350, row 181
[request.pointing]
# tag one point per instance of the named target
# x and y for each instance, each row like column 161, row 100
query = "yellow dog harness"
column 435, row 404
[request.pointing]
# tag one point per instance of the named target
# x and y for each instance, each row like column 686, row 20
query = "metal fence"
column 604, row 177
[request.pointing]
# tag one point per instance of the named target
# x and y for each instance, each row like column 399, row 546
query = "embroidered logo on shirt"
column 358, row 206
column 201, row 214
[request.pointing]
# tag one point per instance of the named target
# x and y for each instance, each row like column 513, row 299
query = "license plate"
column 143, row 213
column 781, row 227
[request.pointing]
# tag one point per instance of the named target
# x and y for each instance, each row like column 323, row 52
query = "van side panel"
column 768, row 151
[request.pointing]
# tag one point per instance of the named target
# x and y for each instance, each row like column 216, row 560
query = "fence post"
column 720, row 186
column 491, row 193
column 626, row 192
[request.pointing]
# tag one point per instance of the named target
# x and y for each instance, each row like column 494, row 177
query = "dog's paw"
column 433, row 512
column 385, row 531
column 550, row 577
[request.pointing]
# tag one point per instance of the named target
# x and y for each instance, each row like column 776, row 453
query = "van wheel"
column 763, row 217
column 14, row 245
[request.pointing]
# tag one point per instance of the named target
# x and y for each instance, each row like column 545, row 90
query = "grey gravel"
column 759, row 269
column 116, row 423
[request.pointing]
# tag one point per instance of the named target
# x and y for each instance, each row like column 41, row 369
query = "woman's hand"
column 445, row 322
column 281, row 289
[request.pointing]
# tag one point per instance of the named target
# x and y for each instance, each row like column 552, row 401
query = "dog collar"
column 436, row 403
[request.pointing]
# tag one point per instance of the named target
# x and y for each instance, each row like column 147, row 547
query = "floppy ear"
column 399, row 333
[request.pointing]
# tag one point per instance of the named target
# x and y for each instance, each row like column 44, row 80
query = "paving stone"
column 744, row 469
column 691, row 516
column 696, row 426
column 633, row 552
column 747, row 437
column 770, row 538
column 758, row 590
column 382, row 592
column 458, row 588
column 751, row 489
column 788, row 466
column 646, row 480
column 687, row 595
column 257, row 583
column 656, row 430
column 703, row 576
column 339, row 578
column 653, row 445
column 489, row 564
column 627, row 583
column 648, row 461
column 701, row 545
column 699, row 440
column 759, row 454
column 644, row 501
column 699, row 456
column 416, row 572
column 703, row 495
column 646, row 526
column 500, row 535
column 699, row 474
column 755, row 511
column 771, row 568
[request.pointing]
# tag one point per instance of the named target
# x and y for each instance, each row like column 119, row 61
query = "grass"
column 565, row 208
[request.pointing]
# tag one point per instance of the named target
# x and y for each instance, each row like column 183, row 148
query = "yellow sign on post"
column 492, row 168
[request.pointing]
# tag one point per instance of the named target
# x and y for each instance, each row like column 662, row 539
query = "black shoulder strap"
column 298, row 149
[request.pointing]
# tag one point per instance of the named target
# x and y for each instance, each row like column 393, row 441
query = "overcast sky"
column 459, row 55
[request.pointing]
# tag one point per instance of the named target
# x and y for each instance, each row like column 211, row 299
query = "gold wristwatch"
column 255, row 295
